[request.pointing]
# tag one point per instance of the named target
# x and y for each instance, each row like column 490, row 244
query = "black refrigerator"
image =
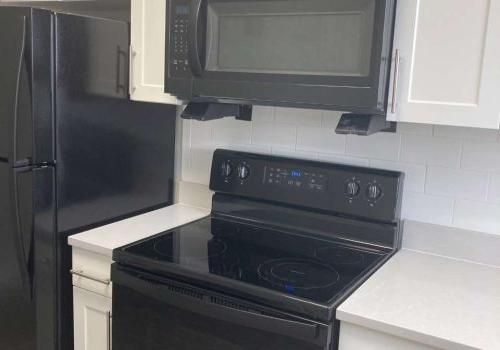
column 75, row 153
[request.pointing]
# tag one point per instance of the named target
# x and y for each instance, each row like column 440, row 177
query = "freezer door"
column 16, row 127
column 115, row 157
column 17, row 309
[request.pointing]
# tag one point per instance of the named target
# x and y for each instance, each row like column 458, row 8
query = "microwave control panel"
column 179, row 36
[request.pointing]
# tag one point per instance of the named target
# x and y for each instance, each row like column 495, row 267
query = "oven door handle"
column 193, row 51
column 216, row 306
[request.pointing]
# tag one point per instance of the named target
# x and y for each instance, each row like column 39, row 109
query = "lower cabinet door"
column 92, row 320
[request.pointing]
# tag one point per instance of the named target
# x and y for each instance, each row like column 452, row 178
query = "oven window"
column 313, row 37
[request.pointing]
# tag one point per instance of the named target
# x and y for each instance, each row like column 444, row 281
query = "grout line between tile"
column 461, row 154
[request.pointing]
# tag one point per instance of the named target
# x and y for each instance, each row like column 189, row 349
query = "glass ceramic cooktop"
column 306, row 267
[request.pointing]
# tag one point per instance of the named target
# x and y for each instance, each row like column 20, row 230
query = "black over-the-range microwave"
column 328, row 54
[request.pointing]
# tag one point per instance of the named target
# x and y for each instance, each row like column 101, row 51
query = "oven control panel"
column 178, row 38
column 349, row 190
column 295, row 178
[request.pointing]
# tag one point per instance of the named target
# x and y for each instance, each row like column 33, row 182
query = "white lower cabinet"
column 354, row 337
column 92, row 291
column 92, row 320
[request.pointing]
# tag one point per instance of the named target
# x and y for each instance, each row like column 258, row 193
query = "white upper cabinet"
column 147, row 52
column 449, row 63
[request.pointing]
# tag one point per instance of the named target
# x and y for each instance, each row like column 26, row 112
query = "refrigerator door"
column 16, row 129
column 17, row 309
column 46, row 261
column 115, row 157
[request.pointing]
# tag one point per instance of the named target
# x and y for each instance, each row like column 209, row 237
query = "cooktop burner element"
column 339, row 256
column 292, row 274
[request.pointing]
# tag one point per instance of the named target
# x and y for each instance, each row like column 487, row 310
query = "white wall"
column 453, row 174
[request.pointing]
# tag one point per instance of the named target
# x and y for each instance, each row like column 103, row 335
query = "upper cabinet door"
column 449, row 63
column 147, row 52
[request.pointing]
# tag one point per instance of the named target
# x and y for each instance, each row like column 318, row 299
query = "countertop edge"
column 82, row 241
column 401, row 332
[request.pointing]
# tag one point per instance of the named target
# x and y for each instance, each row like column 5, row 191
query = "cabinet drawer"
column 92, row 272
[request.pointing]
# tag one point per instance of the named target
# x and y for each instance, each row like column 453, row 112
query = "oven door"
column 158, row 314
column 310, row 53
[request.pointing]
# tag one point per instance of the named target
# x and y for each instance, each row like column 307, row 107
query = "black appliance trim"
column 385, row 211
column 212, row 110
column 296, row 219
column 220, row 306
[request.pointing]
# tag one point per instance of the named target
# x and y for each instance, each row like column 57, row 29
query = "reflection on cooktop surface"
column 299, row 265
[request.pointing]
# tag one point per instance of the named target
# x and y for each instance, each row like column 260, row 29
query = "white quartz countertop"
column 104, row 239
column 434, row 300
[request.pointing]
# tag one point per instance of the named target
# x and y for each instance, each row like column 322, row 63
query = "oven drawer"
column 155, row 313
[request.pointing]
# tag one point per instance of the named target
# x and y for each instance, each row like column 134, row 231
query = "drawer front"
column 92, row 272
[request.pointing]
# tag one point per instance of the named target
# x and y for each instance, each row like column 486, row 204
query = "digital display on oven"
column 304, row 179
column 182, row 10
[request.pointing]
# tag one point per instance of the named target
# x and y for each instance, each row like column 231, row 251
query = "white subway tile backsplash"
column 274, row 135
column 298, row 116
column 494, row 188
column 415, row 129
column 383, row 146
column 199, row 163
column 481, row 156
column 426, row 208
column 286, row 152
column 465, row 133
column 334, row 158
column 186, row 133
column 330, row 119
column 249, row 148
column 415, row 173
column 236, row 132
column 431, row 150
column 317, row 139
column 457, row 183
column 201, row 133
column 263, row 114
column 452, row 174
column 480, row 216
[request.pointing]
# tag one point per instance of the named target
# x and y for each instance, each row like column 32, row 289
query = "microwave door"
column 315, row 53
column 196, row 38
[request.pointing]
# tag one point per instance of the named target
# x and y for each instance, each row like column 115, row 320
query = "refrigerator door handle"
column 23, row 259
column 15, row 161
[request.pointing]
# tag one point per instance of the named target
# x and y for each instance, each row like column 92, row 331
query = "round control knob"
column 352, row 189
column 243, row 171
column 373, row 192
column 226, row 169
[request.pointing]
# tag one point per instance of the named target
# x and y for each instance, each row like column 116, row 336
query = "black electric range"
column 287, row 241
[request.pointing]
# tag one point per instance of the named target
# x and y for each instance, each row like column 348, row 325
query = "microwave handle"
column 193, row 51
